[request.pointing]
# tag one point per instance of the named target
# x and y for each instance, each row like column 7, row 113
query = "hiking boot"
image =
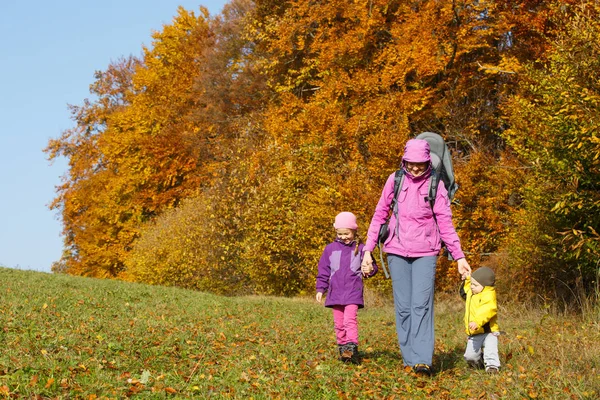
column 341, row 350
column 355, row 358
column 345, row 353
column 492, row 370
column 423, row 370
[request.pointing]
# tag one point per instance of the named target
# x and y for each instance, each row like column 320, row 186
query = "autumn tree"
column 197, row 244
column 130, row 155
column 354, row 81
column 348, row 84
column 274, row 116
column 554, row 121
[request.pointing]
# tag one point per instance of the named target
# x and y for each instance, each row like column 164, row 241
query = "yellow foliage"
column 275, row 116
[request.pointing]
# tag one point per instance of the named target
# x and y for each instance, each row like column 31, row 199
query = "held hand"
column 319, row 296
column 473, row 326
column 464, row 269
column 367, row 260
column 366, row 266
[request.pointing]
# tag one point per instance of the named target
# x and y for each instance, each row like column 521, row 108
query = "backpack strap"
column 398, row 181
column 383, row 267
column 433, row 186
column 434, row 181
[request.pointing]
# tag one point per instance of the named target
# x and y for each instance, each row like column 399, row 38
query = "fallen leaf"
column 33, row 381
column 145, row 377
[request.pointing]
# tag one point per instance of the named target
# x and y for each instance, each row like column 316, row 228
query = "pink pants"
column 345, row 323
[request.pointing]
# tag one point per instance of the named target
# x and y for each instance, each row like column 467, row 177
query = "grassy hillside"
column 72, row 337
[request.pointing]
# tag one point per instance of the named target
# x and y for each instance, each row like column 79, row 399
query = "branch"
column 495, row 69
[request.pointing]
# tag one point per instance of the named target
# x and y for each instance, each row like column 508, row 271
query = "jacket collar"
column 352, row 243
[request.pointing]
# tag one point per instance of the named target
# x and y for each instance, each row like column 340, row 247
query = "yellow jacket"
column 480, row 308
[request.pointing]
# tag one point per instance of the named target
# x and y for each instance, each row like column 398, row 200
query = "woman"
column 413, row 245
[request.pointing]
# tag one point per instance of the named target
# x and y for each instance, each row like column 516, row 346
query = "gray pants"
column 486, row 343
column 413, row 282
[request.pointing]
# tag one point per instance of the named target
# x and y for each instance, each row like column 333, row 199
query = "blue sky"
column 50, row 51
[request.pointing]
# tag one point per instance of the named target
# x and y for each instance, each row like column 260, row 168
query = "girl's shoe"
column 492, row 370
column 345, row 352
column 355, row 358
column 423, row 370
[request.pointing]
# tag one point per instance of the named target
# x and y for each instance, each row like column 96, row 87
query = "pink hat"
column 416, row 150
column 345, row 220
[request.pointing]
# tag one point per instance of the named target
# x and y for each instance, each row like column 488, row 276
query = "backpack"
column 441, row 169
column 441, row 163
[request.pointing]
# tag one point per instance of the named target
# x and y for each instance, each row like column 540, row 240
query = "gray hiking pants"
column 486, row 343
column 413, row 282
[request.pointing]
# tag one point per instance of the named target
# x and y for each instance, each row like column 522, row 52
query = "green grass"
column 71, row 337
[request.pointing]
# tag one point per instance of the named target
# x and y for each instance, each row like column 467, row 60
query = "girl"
column 341, row 276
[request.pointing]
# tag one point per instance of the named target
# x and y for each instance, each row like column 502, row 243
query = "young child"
column 341, row 276
column 481, row 320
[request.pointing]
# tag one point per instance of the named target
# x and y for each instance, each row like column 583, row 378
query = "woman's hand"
column 464, row 269
column 366, row 269
column 367, row 261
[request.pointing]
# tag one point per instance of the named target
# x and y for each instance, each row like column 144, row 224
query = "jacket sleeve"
column 463, row 288
column 324, row 271
column 443, row 215
column 381, row 213
column 486, row 309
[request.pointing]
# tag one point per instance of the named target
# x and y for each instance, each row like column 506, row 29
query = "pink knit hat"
column 345, row 220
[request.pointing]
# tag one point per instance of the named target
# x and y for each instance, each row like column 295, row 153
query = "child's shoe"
column 355, row 358
column 345, row 352
column 492, row 370
column 341, row 349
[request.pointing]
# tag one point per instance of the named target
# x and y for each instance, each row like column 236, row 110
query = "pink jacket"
column 416, row 234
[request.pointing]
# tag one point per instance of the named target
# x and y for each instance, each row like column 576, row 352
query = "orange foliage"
column 354, row 82
column 274, row 117
column 130, row 156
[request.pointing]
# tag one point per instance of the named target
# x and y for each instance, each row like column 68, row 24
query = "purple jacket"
column 415, row 234
column 339, row 274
